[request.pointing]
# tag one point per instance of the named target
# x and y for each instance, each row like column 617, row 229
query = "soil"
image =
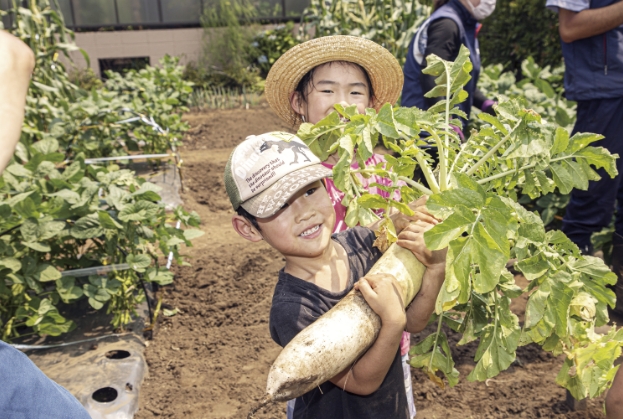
column 211, row 360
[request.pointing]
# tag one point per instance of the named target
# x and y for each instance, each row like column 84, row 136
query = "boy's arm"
column 16, row 64
column 423, row 305
column 383, row 294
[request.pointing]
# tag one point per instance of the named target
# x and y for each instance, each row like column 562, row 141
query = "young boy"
column 275, row 184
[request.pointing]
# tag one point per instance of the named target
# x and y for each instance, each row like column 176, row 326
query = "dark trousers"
column 591, row 210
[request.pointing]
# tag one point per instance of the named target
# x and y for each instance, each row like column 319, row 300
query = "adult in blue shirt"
column 452, row 24
column 592, row 46
column 25, row 392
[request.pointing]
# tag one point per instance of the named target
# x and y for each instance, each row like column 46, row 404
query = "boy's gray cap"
column 264, row 171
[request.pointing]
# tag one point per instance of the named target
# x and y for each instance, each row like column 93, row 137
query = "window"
column 121, row 65
column 138, row 11
column 180, row 11
column 95, row 12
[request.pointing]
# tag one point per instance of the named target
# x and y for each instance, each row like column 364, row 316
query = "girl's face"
column 333, row 83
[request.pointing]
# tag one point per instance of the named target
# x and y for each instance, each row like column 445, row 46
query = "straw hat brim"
column 382, row 67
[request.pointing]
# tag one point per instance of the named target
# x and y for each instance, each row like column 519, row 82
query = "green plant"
column 540, row 87
column 228, row 33
column 223, row 98
column 390, row 23
column 159, row 92
column 269, row 45
column 542, row 90
column 85, row 78
column 519, row 29
column 56, row 218
column 59, row 214
column 473, row 190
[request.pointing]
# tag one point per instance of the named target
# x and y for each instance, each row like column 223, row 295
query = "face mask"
column 483, row 10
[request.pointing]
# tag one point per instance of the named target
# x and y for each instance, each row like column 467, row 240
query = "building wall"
column 155, row 44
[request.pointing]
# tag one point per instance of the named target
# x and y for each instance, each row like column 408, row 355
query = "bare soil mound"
column 211, row 360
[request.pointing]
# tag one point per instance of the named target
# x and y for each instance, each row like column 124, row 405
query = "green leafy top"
column 472, row 189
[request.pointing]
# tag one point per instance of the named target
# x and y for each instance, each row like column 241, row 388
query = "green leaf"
column 54, row 328
column 87, row 227
column 67, row 289
column 582, row 139
column 489, row 257
column 47, row 146
column 533, row 267
column 385, row 122
column 498, row 344
column 372, row 201
column 149, row 191
column 34, row 230
column 192, row 234
column 493, row 121
column 458, row 269
column 562, row 178
column 469, row 198
column 139, row 262
column 535, row 308
column 599, row 157
column 11, row 263
column 39, row 247
column 46, row 273
column 107, row 221
column 160, row 276
column 139, row 211
column 452, row 227
column 561, row 141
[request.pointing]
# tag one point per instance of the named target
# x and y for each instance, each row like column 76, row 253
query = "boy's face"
column 303, row 227
column 335, row 83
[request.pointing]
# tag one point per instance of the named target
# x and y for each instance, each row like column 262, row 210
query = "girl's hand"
column 384, row 295
column 401, row 221
column 412, row 238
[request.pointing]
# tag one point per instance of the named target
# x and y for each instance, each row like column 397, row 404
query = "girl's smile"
column 333, row 83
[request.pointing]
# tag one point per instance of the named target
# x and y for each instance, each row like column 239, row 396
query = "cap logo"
column 266, row 170
column 282, row 145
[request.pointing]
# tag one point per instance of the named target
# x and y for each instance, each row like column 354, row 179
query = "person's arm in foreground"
column 590, row 22
column 614, row 398
column 16, row 64
column 383, row 294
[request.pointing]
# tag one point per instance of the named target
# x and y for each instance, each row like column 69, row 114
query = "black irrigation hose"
column 9, row 230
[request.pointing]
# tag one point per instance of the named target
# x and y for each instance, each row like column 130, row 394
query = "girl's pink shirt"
column 336, row 195
column 340, row 211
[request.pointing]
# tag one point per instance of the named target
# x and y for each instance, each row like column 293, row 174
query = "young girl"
column 309, row 79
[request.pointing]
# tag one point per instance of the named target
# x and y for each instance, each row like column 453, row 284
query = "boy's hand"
column 384, row 295
column 402, row 221
column 412, row 238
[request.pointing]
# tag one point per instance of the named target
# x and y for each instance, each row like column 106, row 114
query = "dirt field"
column 211, row 360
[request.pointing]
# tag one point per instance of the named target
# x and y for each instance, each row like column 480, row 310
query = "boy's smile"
column 303, row 226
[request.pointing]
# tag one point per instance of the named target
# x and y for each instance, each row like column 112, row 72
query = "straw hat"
column 382, row 67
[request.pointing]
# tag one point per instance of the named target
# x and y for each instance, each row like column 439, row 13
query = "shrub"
column 519, row 29
column 58, row 214
column 269, row 45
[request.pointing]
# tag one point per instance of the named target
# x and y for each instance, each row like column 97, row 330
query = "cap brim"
column 382, row 67
column 272, row 199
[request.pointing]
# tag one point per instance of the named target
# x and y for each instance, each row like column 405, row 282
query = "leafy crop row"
column 58, row 213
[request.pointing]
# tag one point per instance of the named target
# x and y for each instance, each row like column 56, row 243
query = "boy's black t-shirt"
column 297, row 304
